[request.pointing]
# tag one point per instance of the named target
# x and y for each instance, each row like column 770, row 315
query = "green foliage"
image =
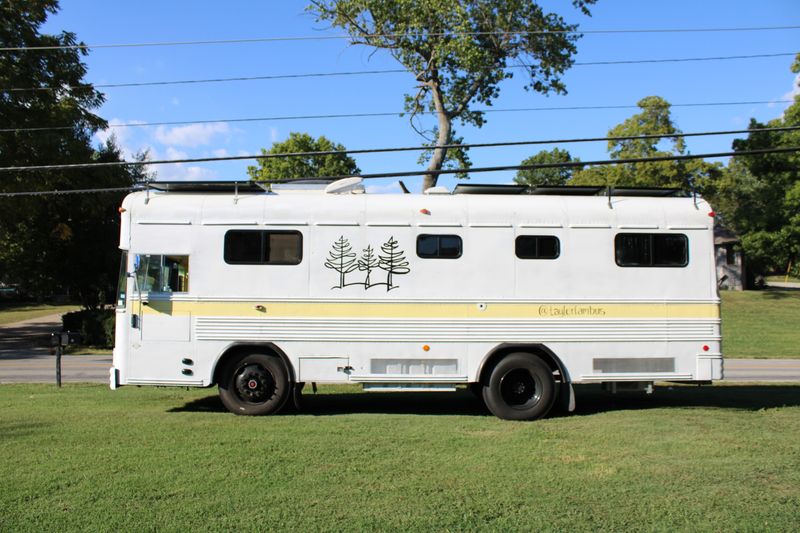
column 759, row 196
column 54, row 244
column 95, row 325
column 546, row 176
column 311, row 166
column 460, row 52
column 85, row 458
column 654, row 119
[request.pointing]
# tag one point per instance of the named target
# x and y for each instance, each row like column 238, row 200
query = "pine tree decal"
column 393, row 262
column 342, row 259
column 367, row 263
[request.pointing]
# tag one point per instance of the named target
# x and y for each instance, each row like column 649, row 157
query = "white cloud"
column 795, row 89
column 191, row 135
column 222, row 152
column 175, row 101
column 791, row 95
column 180, row 172
column 173, row 153
column 122, row 136
column 390, row 188
column 273, row 134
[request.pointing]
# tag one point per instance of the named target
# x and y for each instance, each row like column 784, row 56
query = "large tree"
column 759, row 196
column 53, row 243
column 308, row 166
column 653, row 119
column 546, row 176
column 459, row 52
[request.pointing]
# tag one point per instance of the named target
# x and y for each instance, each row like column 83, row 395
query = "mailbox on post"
column 58, row 341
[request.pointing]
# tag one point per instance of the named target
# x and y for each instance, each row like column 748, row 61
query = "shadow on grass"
column 782, row 293
column 590, row 400
column 324, row 404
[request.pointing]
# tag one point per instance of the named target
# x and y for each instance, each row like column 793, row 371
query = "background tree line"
column 457, row 55
column 55, row 244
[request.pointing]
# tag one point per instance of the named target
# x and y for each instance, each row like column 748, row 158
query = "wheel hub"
column 519, row 389
column 254, row 383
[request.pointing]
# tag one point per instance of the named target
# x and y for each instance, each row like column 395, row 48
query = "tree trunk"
column 439, row 154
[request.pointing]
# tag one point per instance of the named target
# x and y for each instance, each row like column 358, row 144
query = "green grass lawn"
column 763, row 324
column 791, row 279
column 716, row 458
column 16, row 312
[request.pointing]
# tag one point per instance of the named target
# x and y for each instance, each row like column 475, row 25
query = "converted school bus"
column 516, row 292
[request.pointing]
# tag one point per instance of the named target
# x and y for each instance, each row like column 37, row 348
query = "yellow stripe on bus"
column 548, row 310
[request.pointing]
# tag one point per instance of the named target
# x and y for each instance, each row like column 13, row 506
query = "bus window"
column 537, row 247
column 162, row 273
column 651, row 250
column 257, row 247
column 122, row 284
column 439, row 246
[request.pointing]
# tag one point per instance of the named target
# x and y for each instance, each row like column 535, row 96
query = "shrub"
column 95, row 325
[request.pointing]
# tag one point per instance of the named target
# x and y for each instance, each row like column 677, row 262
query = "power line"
column 382, row 150
column 67, row 191
column 390, row 114
column 572, row 164
column 391, row 35
column 372, row 72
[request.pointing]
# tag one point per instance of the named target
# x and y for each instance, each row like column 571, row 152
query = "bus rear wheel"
column 520, row 387
column 254, row 384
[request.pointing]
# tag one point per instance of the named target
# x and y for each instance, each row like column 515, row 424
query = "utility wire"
column 66, row 191
column 368, row 72
column 393, row 35
column 375, row 150
column 388, row 114
column 572, row 164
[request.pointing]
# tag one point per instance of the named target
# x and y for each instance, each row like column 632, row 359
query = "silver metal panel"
column 633, row 364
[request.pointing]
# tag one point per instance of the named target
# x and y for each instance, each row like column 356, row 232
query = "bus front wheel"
column 254, row 384
column 520, row 387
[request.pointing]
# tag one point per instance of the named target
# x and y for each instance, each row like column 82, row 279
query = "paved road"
column 94, row 369
column 762, row 369
column 25, row 358
column 25, row 355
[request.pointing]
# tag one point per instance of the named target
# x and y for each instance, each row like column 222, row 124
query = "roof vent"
column 352, row 185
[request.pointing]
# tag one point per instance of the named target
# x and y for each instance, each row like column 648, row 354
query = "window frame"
column 438, row 247
column 141, row 274
column 537, row 257
column 264, row 236
column 652, row 237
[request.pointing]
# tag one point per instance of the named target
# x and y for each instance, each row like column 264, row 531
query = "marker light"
column 426, row 348
column 121, row 210
column 424, row 211
column 705, row 347
column 712, row 214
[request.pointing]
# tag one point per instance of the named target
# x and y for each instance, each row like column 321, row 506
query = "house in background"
column 731, row 273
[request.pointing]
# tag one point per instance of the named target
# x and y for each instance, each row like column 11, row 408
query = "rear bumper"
column 710, row 367
column 113, row 378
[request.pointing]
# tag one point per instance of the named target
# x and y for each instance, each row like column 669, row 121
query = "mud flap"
column 297, row 395
column 567, row 399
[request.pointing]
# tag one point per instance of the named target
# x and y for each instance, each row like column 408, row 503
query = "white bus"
column 516, row 292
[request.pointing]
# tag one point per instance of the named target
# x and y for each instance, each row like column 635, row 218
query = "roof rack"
column 245, row 186
column 567, row 190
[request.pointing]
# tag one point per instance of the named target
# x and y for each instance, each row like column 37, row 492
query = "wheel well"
column 238, row 349
column 544, row 353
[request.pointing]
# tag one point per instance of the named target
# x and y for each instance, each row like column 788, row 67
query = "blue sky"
column 764, row 79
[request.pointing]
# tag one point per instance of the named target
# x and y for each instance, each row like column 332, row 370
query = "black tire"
column 521, row 387
column 254, row 384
